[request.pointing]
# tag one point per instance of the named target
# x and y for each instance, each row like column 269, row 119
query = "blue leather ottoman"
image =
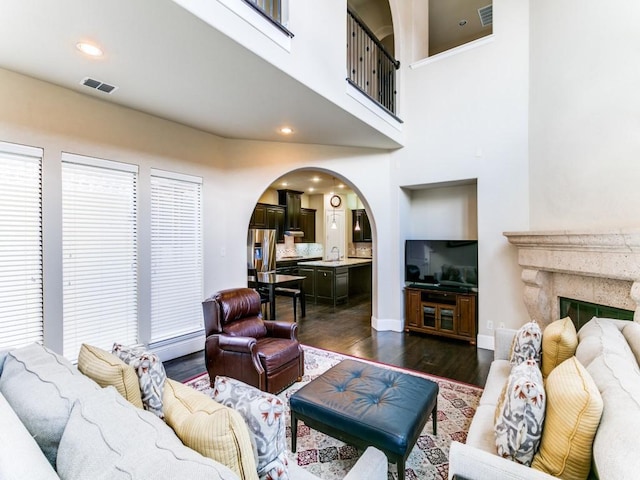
column 366, row 405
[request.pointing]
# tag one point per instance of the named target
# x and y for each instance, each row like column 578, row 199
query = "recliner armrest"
column 282, row 329
column 236, row 344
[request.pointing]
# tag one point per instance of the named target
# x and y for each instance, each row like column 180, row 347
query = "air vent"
column 486, row 15
column 98, row 85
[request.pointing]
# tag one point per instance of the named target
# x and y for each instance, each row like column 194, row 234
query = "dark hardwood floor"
column 348, row 330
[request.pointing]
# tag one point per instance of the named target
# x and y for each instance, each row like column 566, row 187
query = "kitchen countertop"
column 347, row 262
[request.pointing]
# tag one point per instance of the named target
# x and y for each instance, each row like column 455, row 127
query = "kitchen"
column 319, row 229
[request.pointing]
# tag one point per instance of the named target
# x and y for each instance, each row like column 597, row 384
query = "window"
column 21, row 320
column 99, row 248
column 176, row 255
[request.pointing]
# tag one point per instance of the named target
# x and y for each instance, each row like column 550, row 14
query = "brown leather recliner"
column 241, row 345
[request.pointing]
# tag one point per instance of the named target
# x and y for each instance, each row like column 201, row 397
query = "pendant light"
column 334, row 225
column 357, row 227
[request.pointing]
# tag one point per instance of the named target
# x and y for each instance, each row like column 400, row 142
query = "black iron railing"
column 272, row 10
column 372, row 69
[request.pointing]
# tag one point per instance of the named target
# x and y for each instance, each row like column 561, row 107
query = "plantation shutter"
column 176, row 255
column 21, row 318
column 99, row 247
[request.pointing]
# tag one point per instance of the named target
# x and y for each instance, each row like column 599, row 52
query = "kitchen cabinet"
column 443, row 313
column 333, row 282
column 269, row 216
column 293, row 203
column 309, row 283
column 359, row 217
column 308, row 224
column 259, row 217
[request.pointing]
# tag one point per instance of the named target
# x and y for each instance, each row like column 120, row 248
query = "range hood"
column 294, row 233
column 291, row 200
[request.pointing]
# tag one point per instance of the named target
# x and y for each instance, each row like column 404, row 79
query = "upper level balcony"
column 236, row 68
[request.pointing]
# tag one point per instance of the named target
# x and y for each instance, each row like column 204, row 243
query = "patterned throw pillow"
column 150, row 372
column 520, row 414
column 264, row 415
column 527, row 343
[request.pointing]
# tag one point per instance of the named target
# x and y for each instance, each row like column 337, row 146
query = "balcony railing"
column 372, row 69
column 271, row 10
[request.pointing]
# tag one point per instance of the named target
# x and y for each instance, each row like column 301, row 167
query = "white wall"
column 235, row 174
column 468, row 119
column 585, row 114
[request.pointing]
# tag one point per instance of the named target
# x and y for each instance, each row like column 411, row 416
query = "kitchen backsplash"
column 363, row 250
column 298, row 250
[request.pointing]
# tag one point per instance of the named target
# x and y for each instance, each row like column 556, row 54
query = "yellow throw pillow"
column 210, row 428
column 106, row 369
column 559, row 342
column 574, row 408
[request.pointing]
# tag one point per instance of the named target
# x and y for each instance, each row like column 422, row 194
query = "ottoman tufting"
column 366, row 405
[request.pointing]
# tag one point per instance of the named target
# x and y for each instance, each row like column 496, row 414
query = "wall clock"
column 335, row 201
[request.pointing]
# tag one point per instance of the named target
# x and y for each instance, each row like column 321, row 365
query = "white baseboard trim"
column 387, row 324
column 486, row 342
column 179, row 348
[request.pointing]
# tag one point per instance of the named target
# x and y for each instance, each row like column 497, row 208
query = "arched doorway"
column 318, row 219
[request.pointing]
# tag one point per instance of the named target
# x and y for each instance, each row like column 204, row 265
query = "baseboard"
column 387, row 324
column 486, row 342
column 170, row 350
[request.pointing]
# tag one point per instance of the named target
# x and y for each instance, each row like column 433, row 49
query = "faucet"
column 336, row 251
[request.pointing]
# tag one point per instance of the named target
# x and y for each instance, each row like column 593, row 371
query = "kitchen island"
column 333, row 281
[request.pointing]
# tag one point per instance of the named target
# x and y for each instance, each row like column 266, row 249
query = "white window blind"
column 99, row 247
column 176, row 255
column 21, row 320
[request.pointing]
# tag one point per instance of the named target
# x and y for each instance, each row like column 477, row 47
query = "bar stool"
column 295, row 294
column 264, row 293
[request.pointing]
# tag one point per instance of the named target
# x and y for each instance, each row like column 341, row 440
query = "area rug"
column 331, row 459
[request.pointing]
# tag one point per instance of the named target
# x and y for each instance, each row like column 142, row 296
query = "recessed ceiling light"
column 286, row 131
column 284, row 184
column 311, row 189
column 89, row 49
column 341, row 185
column 315, row 179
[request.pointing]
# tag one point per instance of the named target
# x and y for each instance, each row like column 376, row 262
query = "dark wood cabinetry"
column 439, row 312
column 331, row 284
column 293, row 201
column 359, row 217
column 269, row 216
column 308, row 224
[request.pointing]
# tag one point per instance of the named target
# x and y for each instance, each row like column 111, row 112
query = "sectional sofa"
column 609, row 350
column 62, row 424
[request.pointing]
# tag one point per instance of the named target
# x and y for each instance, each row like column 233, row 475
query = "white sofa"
column 609, row 350
column 80, row 427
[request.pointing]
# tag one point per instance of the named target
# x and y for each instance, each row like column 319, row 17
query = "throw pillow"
column 574, row 408
column 264, row 415
column 151, row 374
column 520, row 417
column 559, row 343
column 215, row 431
column 108, row 370
column 41, row 387
column 527, row 343
column 107, row 437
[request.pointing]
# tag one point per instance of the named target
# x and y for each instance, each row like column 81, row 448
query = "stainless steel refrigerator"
column 261, row 249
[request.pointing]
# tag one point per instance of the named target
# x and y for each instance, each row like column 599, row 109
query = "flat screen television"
column 445, row 264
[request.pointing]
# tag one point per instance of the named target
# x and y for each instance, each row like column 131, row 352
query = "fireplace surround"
column 601, row 267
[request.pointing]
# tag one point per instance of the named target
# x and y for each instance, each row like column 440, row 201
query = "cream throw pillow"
column 106, row 369
column 559, row 342
column 209, row 428
column 574, row 407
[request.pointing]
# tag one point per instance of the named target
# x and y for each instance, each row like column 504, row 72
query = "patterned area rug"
column 331, row 459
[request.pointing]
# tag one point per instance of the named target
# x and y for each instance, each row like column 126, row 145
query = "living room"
column 542, row 120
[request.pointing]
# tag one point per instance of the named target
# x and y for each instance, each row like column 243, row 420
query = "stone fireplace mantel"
column 597, row 267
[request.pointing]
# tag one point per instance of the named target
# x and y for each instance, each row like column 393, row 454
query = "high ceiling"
column 167, row 62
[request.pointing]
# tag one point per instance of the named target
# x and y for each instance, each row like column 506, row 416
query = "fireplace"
column 601, row 268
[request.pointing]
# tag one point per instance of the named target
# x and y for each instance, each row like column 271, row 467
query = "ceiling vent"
column 486, row 15
column 98, row 85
